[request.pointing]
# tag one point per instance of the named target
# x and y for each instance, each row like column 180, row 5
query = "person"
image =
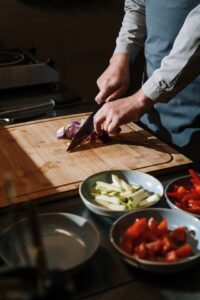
column 168, row 101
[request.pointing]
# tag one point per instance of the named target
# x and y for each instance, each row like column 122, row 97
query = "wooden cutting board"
column 41, row 167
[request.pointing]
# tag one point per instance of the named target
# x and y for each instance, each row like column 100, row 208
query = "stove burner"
column 10, row 58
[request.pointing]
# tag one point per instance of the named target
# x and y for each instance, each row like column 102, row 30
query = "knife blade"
column 84, row 131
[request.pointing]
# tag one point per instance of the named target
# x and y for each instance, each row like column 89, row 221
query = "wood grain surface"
column 41, row 167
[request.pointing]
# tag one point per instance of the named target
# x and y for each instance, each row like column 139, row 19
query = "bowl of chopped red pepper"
column 158, row 239
column 184, row 193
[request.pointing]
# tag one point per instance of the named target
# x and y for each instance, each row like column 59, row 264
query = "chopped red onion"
column 70, row 131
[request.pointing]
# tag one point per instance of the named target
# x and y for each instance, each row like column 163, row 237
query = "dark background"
column 78, row 35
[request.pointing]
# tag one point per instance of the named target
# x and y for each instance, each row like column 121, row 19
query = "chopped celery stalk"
column 115, row 180
column 107, row 186
column 114, row 200
column 111, row 205
column 125, row 195
column 150, row 200
column 135, row 186
column 112, row 193
column 125, row 186
column 138, row 196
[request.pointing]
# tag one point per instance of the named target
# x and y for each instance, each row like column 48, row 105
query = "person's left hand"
column 122, row 111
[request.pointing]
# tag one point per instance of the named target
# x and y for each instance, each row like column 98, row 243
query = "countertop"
column 106, row 275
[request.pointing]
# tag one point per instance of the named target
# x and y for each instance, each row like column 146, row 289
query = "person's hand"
column 121, row 111
column 114, row 82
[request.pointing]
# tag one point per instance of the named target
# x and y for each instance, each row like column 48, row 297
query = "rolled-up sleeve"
column 133, row 30
column 182, row 64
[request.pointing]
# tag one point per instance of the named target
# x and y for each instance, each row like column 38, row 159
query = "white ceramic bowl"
column 184, row 181
column 69, row 241
column 175, row 218
column 147, row 181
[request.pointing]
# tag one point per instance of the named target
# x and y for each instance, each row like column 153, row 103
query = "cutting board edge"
column 73, row 189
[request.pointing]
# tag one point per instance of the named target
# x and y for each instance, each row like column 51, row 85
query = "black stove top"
column 27, row 104
column 21, row 68
column 8, row 58
column 32, row 90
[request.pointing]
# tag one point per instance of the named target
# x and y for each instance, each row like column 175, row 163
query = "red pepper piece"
column 195, row 176
column 193, row 195
column 193, row 203
column 193, row 210
column 178, row 204
column 175, row 195
column 181, row 190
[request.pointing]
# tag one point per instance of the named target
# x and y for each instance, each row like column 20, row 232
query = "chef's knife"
column 84, row 131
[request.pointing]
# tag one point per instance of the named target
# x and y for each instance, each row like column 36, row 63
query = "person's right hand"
column 114, row 82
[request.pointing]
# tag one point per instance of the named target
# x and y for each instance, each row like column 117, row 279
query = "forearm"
column 133, row 30
column 182, row 64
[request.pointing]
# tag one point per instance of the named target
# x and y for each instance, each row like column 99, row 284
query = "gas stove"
column 21, row 68
column 31, row 90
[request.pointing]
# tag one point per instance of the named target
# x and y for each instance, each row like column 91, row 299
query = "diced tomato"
column 136, row 229
column 184, row 250
column 171, row 256
column 127, row 246
column 162, row 227
column 154, row 246
column 141, row 251
column 149, row 235
column 151, row 255
column 155, row 242
column 178, row 234
column 167, row 244
column 152, row 224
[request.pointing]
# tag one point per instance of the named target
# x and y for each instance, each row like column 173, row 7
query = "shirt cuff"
column 131, row 50
column 153, row 90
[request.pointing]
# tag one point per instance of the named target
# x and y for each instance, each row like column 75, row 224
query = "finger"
column 99, row 119
column 102, row 95
column 116, row 131
column 107, row 122
column 112, row 127
column 98, row 98
column 105, row 93
column 115, row 95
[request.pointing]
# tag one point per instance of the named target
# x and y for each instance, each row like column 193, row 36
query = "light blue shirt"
column 169, row 31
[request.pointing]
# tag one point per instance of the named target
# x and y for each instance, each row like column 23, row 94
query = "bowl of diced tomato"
column 157, row 239
column 184, row 193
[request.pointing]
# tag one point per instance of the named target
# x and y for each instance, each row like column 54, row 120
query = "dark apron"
column 178, row 121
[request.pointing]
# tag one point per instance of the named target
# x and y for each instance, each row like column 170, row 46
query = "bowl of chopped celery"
column 115, row 192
